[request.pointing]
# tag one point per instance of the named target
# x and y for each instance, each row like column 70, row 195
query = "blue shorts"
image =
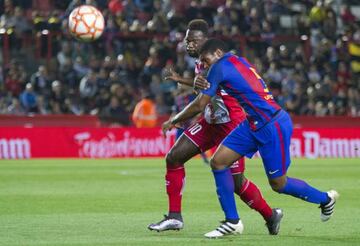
column 272, row 141
column 179, row 132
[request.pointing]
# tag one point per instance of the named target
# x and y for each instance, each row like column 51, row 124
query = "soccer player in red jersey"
column 220, row 117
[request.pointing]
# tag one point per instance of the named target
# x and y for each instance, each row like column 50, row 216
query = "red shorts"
column 206, row 136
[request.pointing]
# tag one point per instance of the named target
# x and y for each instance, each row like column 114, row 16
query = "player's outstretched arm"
column 174, row 76
column 195, row 107
column 191, row 110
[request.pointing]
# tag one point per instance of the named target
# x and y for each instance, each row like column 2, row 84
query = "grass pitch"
column 111, row 202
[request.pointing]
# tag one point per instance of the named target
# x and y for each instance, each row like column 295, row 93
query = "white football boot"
column 226, row 228
column 327, row 209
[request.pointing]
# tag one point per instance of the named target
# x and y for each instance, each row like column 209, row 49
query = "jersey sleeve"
column 214, row 77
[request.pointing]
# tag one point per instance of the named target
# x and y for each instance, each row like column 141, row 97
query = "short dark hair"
column 199, row 25
column 212, row 44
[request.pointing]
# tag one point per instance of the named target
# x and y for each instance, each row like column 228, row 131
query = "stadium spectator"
column 354, row 101
column 88, row 85
column 144, row 5
column 58, row 96
column 64, row 55
column 317, row 14
column 347, row 16
column 15, row 108
column 42, row 105
column 13, row 83
column 115, row 6
column 68, row 75
column 15, row 78
column 124, row 95
column 273, row 74
column 115, row 113
column 221, row 20
column 159, row 22
column 325, row 56
column 102, row 80
column 28, row 99
column 354, row 52
column 80, row 68
column 145, row 114
column 40, row 81
column 21, row 24
column 74, row 106
column 193, row 11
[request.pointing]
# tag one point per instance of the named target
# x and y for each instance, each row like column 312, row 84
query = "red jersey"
column 223, row 108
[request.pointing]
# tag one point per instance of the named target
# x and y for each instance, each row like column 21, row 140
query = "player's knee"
column 172, row 159
column 216, row 164
column 277, row 184
column 276, row 188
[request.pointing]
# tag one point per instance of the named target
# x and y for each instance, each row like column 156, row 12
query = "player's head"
column 196, row 35
column 211, row 51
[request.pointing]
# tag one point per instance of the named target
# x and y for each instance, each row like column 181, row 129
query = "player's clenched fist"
column 167, row 126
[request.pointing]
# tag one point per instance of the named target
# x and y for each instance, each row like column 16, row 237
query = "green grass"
column 111, row 202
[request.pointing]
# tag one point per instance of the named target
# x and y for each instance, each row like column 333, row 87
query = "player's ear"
column 219, row 53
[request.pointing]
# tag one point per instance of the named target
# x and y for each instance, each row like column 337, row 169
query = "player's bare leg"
column 223, row 158
column 182, row 151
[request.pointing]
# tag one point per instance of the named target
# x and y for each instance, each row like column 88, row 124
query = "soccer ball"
column 86, row 23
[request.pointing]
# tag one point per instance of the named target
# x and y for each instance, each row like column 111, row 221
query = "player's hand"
column 201, row 83
column 167, row 126
column 174, row 76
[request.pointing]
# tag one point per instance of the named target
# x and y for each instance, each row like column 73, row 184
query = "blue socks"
column 294, row 187
column 225, row 190
column 300, row 189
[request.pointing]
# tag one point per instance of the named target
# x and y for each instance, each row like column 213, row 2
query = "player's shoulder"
column 235, row 61
column 221, row 62
column 229, row 60
column 215, row 70
column 226, row 57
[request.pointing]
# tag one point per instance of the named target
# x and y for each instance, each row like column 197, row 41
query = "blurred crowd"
column 313, row 70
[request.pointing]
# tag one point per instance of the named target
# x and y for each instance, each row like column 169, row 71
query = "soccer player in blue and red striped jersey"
column 268, row 129
column 219, row 118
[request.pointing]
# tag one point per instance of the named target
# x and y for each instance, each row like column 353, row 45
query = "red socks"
column 251, row 195
column 175, row 181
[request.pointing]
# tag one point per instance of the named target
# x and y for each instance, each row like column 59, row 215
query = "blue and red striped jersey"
column 239, row 79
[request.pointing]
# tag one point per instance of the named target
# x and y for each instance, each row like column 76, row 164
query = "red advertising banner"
column 18, row 142
column 326, row 143
column 52, row 142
